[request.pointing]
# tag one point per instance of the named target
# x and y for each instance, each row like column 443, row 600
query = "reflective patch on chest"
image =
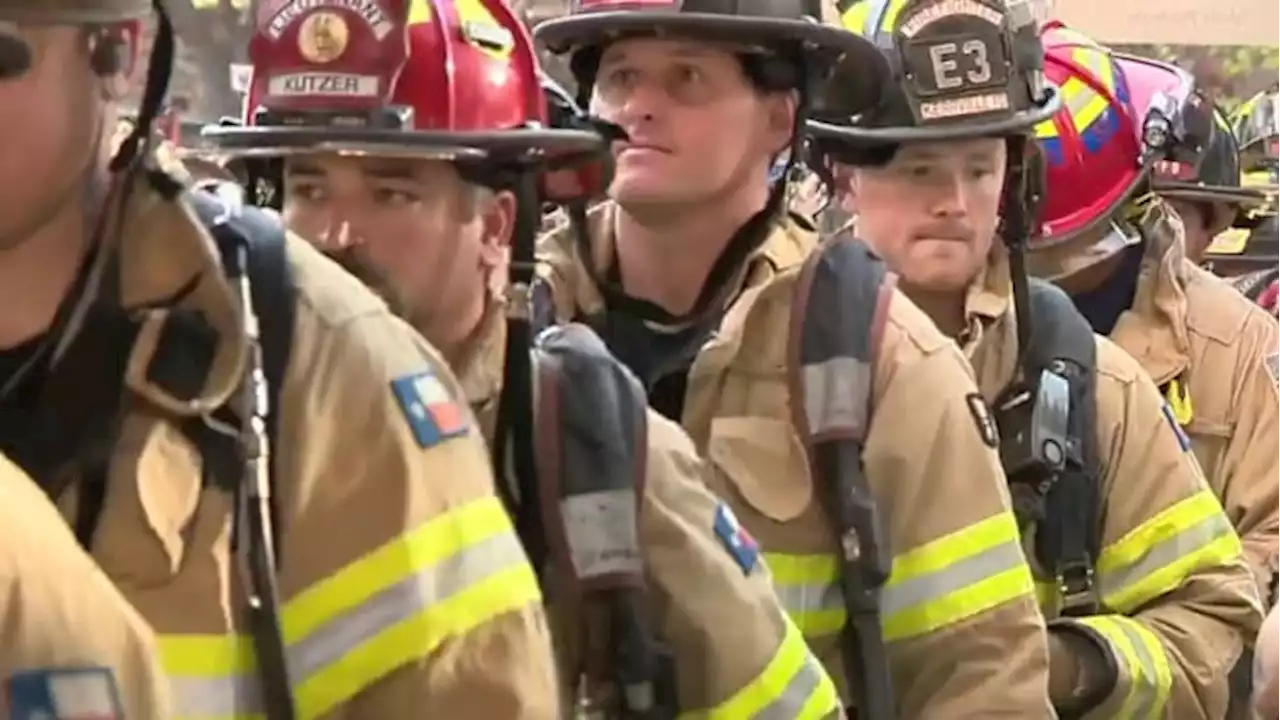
column 73, row 693
column 735, row 538
column 433, row 413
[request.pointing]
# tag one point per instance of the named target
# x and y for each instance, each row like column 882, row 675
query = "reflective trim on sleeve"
column 808, row 587
column 391, row 607
column 1146, row 679
column 1158, row 555
column 793, row 686
column 955, row 577
column 934, row 585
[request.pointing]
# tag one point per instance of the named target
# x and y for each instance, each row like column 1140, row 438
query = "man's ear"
column 781, row 109
column 498, row 214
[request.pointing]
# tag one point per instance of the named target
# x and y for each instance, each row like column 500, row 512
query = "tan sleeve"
column 737, row 653
column 1180, row 600
column 60, row 612
column 1250, row 492
column 965, row 638
column 1266, row 672
column 407, row 592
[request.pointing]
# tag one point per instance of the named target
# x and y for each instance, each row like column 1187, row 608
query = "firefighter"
column 1257, row 128
column 692, row 275
column 1246, row 255
column 365, row 567
column 1116, row 247
column 936, row 170
column 1258, row 131
column 434, row 237
column 1206, row 192
column 1266, row 678
column 64, row 622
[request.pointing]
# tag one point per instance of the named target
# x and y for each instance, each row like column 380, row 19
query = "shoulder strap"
column 591, row 448
column 271, row 284
column 839, row 313
column 1063, row 356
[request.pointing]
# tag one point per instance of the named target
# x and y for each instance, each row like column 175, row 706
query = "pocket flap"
column 764, row 459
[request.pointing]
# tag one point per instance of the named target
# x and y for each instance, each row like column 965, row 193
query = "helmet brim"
column 566, row 34
column 858, row 136
column 1194, row 192
column 477, row 146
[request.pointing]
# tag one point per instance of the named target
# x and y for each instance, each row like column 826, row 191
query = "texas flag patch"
column 63, row 694
column 744, row 548
column 431, row 410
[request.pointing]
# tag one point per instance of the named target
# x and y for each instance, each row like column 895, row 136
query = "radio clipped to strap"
column 591, row 443
column 1048, row 448
column 837, row 324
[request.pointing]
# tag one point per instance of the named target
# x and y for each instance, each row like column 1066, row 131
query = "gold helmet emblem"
column 323, row 37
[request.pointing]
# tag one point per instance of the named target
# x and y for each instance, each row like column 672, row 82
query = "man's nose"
column 340, row 231
column 949, row 198
column 641, row 103
column 336, row 235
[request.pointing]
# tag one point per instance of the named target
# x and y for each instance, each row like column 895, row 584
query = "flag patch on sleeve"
column 735, row 538
column 433, row 413
column 87, row 693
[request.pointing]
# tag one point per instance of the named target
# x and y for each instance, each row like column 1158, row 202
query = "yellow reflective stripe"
column 858, row 18
column 381, row 612
column 793, row 686
column 955, row 577
column 1158, row 555
column 1179, row 401
column 1047, row 597
column 1147, row 680
column 808, row 588
column 934, row 585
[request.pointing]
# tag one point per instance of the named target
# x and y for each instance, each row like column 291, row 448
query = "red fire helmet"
column 454, row 80
column 1120, row 115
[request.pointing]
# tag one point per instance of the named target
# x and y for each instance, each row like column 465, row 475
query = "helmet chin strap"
column 159, row 72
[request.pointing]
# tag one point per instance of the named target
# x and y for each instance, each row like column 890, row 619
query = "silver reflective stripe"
column 787, row 706
column 800, row 599
column 222, row 697
column 899, row 596
column 601, row 531
column 1161, row 555
column 238, row 694
column 835, row 394
column 1143, row 679
column 1100, row 64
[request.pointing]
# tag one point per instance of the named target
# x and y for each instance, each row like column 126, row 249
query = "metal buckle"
column 1075, row 585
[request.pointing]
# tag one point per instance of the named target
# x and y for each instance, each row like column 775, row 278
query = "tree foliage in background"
column 1229, row 74
column 212, row 34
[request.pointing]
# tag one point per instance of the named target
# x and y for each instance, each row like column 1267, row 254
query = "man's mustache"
column 352, row 260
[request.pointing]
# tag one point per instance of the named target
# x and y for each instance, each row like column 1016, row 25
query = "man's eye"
column 306, row 191
column 389, row 196
column 691, row 75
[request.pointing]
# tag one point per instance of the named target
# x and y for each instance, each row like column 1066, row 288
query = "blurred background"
column 1230, row 45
